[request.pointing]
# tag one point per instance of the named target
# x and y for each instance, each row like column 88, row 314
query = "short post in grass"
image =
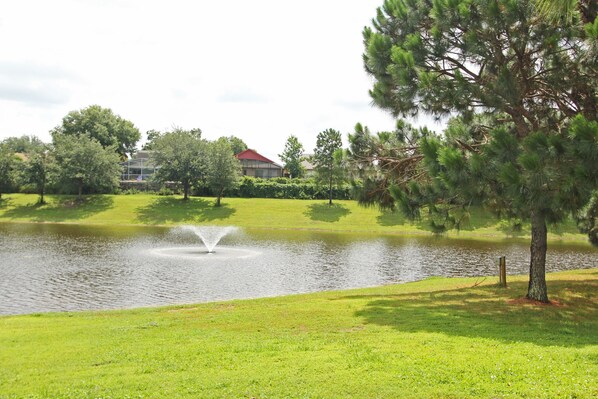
column 502, row 271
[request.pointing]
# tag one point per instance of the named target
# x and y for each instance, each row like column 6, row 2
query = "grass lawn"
column 437, row 338
column 144, row 209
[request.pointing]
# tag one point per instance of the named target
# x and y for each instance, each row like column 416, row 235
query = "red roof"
column 253, row 155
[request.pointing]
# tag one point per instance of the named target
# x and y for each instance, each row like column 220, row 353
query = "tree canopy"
column 556, row 10
column 525, row 140
column 23, row 144
column 83, row 164
column 236, row 144
column 8, row 167
column 292, row 156
column 182, row 156
column 102, row 124
column 37, row 170
column 224, row 169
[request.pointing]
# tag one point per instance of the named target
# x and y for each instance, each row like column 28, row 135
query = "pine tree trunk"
column 537, row 268
column 330, row 192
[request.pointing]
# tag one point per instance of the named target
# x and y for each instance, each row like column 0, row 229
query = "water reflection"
column 67, row 267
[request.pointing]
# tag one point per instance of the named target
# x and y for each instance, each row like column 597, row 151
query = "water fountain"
column 210, row 236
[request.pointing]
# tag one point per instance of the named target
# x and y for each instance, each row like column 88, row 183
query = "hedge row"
column 251, row 187
column 287, row 188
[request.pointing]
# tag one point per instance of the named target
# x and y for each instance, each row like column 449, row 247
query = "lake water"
column 50, row 267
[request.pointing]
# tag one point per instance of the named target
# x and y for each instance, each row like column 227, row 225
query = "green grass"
column 244, row 212
column 437, row 338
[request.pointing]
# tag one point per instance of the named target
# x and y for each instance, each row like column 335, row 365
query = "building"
column 257, row 165
column 138, row 168
column 308, row 166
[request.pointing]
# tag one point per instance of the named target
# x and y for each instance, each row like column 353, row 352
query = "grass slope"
column 244, row 212
column 438, row 338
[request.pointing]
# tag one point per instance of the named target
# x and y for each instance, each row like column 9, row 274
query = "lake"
column 59, row 267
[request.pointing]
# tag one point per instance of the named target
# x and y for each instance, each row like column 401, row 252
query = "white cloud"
column 261, row 70
column 35, row 85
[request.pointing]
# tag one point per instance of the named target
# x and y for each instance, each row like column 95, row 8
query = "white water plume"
column 210, row 235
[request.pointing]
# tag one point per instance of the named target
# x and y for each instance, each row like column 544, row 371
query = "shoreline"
column 553, row 239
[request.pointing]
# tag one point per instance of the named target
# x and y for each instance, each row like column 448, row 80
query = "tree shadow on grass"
column 165, row 210
column 474, row 219
column 390, row 218
column 5, row 202
column 62, row 209
column 327, row 213
column 495, row 313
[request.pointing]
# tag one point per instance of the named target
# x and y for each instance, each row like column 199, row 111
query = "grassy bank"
column 438, row 338
column 244, row 212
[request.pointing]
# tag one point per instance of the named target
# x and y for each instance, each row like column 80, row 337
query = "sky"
column 261, row 70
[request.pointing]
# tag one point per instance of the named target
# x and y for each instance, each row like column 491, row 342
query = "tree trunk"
column 80, row 194
column 42, row 190
column 330, row 192
column 218, row 200
column 537, row 268
column 185, row 191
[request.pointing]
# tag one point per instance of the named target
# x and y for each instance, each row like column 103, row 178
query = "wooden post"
column 502, row 271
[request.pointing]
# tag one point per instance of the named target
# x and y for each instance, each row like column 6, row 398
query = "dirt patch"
column 526, row 301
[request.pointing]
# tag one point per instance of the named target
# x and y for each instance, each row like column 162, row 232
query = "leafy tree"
column 85, row 165
column 195, row 132
column 237, row 145
column 8, row 167
column 151, row 135
column 23, row 144
column 181, row 156
column 326, row 159
column 292, row 157
column 224, row 169
column 101, row 124
column 530, row 156
column 37, row 169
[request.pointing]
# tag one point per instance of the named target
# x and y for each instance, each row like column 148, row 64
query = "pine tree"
column 525, row 142
column 326, row 161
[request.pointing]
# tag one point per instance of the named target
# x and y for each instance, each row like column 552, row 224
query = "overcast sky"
column 260, row 70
